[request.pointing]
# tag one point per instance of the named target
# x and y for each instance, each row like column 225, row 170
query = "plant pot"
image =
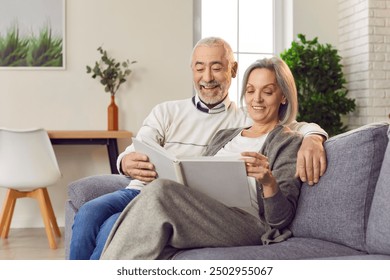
column 112, row 115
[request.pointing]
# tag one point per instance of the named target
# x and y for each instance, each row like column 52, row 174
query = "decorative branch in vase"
column 112, row 75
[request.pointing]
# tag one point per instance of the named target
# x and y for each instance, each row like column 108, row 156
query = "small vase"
column 112, row 114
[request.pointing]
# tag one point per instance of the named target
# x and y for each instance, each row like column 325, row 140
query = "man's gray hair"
column 216, row 41
column 284, row 79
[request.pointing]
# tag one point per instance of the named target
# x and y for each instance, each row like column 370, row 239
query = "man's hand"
column 311, row 163
column 137, row 166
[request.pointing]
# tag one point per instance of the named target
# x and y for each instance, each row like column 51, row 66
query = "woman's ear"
column 284, row 100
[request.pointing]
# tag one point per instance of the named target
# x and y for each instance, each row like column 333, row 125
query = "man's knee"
column 91, row 208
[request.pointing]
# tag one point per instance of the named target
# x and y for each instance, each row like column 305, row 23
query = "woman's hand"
column 257, row 166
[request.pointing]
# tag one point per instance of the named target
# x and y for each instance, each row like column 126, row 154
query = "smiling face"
column 212, row 73
column 263, row 97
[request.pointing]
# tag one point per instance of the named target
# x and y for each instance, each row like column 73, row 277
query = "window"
column 248, row 25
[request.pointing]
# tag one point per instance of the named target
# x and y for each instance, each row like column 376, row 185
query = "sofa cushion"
column 378, row 228
column 336, row 209
column 293, row 249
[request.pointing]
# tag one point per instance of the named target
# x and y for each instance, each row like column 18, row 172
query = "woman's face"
column 263, row 96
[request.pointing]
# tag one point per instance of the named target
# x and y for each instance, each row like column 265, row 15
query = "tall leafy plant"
column 320, row 82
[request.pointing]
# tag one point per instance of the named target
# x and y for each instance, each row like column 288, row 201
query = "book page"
column 220, row 178
column 165, row 164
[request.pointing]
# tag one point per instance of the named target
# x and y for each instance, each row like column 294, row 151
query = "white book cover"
column 222, row 178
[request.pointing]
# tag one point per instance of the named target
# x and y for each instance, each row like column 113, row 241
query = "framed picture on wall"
column 32, row 34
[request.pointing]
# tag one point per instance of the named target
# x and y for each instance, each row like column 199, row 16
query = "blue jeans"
column 94, row 221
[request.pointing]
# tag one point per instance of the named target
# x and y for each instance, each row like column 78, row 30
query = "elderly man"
column 185, row 127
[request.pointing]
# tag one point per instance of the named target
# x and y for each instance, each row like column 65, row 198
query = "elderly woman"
column 167, row 217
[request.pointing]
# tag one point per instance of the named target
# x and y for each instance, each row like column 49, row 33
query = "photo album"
column 222, row 178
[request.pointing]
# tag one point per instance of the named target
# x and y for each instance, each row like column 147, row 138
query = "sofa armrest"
column 88, row 188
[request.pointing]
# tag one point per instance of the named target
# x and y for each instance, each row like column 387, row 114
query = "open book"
column 222, row 178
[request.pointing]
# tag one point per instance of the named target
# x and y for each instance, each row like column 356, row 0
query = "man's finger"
column 309, row 169
column 144, row 165
column 143, row 175
column 134, row 156
column 323, row 164
column 316, row 169
column 301, row 170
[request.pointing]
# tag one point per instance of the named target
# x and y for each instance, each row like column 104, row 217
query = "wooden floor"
column 30, row 244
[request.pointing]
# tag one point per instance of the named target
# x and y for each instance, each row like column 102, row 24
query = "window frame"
column 282, row 23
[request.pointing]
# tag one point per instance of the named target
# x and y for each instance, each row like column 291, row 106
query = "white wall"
column 158, row 36
column 317, row 18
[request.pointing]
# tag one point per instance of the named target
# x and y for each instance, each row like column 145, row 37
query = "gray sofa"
column 345, row 216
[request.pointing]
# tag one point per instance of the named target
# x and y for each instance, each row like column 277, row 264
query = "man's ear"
column 234, row 69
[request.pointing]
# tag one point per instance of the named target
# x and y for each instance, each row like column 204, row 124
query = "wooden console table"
column 92, row 137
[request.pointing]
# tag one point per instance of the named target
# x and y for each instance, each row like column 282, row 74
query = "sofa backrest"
column 336, row 209
column 378, row 228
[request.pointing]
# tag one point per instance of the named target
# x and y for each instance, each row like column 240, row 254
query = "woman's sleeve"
column 279, row 210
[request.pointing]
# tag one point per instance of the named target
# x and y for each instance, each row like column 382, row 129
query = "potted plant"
column 112, row 75
column 320, row 82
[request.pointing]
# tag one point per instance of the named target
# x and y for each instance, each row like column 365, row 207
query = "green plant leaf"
column 112, row 74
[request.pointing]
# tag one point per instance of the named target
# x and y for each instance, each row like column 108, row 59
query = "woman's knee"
column 161, row 188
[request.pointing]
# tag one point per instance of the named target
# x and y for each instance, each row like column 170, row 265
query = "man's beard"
column 211, row 98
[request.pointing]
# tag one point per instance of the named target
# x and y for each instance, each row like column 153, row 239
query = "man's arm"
column 311, row 160
column 137, row 165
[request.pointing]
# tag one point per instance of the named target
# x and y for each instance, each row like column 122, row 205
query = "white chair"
column 27, row 166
